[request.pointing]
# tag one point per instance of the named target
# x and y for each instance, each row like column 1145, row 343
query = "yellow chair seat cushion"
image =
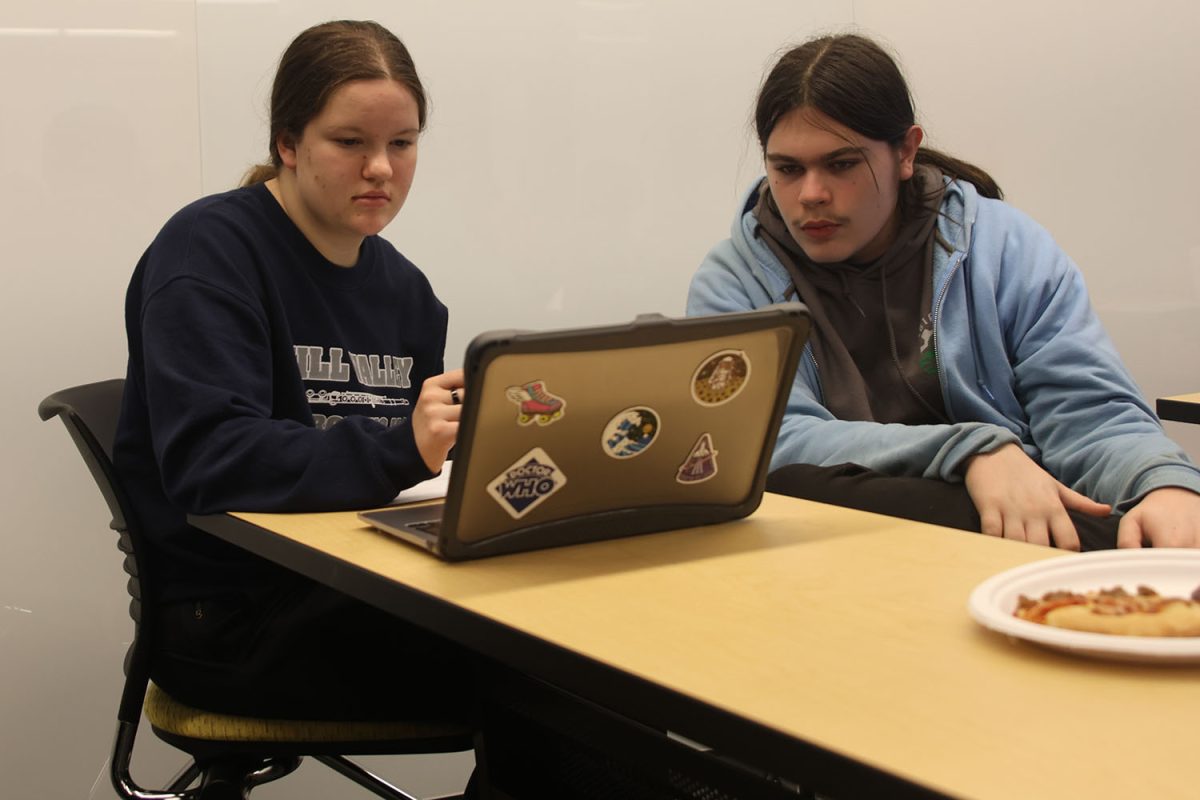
column 169, row 715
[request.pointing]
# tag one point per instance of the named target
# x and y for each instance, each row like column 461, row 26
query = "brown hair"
column 318, row 62
column 850, row 79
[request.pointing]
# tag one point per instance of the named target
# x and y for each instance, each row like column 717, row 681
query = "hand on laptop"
column 435, row 418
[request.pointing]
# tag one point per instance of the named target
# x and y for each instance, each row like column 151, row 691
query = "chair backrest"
column 91, row 413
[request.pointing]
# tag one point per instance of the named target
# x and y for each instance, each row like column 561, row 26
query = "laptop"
column 577, row 435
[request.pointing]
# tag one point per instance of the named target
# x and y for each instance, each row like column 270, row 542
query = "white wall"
column 580, row 159
column 98, row 136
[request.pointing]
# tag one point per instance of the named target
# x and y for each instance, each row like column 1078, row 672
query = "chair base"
column 233, row 779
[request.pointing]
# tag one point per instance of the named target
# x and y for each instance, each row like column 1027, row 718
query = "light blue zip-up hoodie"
column 1021, row 358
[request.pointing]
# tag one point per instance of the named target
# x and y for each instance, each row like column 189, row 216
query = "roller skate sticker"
column 631, row 432
column 721, row 377
column 701, row 463
column 527, row 483
column 535, row 404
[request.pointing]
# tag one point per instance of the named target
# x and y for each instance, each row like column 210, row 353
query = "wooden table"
column 1179, row 408
column 829, row 646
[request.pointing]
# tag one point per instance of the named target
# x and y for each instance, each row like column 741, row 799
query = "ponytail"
column 259, row 173
column 957, row 169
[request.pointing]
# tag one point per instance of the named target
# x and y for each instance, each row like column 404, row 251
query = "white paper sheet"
column 431, row 489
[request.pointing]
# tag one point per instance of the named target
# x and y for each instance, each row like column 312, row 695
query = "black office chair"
column 229, row 754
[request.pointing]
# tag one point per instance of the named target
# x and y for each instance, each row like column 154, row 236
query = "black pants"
column 300, row 650
column 922, row 499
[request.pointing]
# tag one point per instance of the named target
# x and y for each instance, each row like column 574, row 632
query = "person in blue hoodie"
column 956, row 372
column 284, row 357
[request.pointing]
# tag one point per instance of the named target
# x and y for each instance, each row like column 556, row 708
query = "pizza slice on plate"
column 1115, row 611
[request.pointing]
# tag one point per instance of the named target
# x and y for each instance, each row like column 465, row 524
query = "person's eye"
column 843, row 164
column 348, row 141
column 402, row 144
column 789, row 170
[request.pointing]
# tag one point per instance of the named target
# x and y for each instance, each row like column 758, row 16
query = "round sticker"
column 721, row 377
column 631, row 432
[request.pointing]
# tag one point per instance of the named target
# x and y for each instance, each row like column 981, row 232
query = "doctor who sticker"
column 527, row 483
column 534, row 403
column 701, row 463
column 721, row 377
column 631, row 432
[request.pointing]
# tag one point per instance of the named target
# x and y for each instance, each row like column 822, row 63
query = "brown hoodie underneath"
column 872, row 334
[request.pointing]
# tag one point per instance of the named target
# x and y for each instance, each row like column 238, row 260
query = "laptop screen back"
column 675, row 416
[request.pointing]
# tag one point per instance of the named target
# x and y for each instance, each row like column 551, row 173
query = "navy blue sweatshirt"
column 262, row 377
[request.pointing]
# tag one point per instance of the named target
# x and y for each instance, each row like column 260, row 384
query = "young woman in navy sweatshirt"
column 284, row 357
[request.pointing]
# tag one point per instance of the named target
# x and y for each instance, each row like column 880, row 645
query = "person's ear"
column 285, row 145
column 908, row 151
